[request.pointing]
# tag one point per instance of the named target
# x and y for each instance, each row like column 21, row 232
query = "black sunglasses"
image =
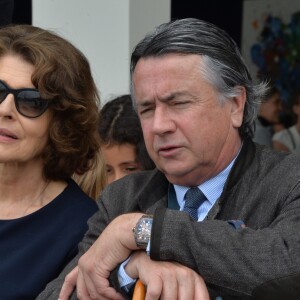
column 28, row 101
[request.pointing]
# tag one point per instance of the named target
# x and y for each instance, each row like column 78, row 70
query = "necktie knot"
column 193, row 199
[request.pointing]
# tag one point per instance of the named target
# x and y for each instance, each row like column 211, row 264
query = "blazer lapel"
column 155, row 193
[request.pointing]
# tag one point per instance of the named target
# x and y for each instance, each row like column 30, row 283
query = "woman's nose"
column 7, row 106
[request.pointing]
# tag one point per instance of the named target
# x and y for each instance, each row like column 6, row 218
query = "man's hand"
column 166, row 280
column 82, row 292
column 112, row 247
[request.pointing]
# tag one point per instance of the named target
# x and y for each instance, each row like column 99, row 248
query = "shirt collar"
column 211, row 188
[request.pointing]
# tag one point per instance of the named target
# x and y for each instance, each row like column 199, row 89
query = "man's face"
column 189, row 134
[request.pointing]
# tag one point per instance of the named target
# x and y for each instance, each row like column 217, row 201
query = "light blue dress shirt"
column 211, row 188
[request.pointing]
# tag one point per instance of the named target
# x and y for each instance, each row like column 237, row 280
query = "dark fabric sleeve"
column 287, row 287
column 156, row 233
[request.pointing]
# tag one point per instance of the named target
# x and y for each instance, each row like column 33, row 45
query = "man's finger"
column 201, row 292
column 68, row 285
column 89, row 287
column 82, row 291
column 186, row 287
column 154, row 288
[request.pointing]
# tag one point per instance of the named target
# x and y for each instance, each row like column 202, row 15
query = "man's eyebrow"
column 167, row 98
column 144, row 103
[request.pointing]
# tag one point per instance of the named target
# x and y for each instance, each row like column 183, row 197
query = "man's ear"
column 237, row 107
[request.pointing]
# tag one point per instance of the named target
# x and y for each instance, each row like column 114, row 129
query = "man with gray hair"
column 218, row 208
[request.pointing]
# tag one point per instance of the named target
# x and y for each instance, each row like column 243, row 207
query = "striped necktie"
column 193, row 199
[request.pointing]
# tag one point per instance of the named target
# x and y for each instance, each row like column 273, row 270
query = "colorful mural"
column 271, row 43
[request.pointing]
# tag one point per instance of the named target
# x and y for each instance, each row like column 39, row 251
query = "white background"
column 105, row 31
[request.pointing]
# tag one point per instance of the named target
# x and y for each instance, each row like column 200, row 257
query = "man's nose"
column 163, row 122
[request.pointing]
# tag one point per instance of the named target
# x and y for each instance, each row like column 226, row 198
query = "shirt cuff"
column 125, row 281
column 148, row 248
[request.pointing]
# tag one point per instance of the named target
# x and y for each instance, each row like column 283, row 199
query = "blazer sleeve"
column 236, row 261
column 285, row 287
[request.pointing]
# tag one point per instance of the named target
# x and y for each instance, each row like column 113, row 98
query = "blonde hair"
column 93, row 181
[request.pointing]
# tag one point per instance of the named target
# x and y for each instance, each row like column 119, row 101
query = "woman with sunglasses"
column 48, row 131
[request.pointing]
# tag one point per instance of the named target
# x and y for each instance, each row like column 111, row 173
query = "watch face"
column 142, row 231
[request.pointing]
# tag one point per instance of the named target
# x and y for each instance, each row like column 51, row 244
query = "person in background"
column 122, row 150
column 289, row 139
column 220, row 213
column 48, row 130
column 268, row 117
column 122, row 141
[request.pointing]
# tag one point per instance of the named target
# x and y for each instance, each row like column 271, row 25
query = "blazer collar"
column 155, row 191
column 241, row 164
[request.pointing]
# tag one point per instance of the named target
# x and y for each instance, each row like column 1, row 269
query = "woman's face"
column 22, row 139
column 120, row 160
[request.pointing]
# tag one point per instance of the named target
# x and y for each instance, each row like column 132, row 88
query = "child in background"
column 123, row 150
column 122, row 141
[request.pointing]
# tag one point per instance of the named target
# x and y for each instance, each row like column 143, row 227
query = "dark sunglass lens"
column 30, row 104
column 3, row 91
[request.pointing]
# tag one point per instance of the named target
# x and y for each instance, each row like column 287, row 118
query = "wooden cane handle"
column 139, row 292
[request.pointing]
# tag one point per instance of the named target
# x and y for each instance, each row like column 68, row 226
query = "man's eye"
column 177, row 103
column 145, row 111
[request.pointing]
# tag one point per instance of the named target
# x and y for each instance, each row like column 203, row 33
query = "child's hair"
column 119, row 124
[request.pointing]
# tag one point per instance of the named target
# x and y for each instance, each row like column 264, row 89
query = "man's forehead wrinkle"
column 169, row 96
column 164, row 98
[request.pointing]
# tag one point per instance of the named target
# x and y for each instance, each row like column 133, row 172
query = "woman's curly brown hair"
column 62, row 74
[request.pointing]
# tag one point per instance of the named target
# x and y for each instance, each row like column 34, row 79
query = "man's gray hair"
column 222, row 64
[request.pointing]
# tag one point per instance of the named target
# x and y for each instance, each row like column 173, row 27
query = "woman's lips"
column 7, row 135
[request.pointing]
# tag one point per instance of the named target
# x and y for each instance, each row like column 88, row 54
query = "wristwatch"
column 142, row 231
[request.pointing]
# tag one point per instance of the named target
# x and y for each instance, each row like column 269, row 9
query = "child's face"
column 120, row 160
